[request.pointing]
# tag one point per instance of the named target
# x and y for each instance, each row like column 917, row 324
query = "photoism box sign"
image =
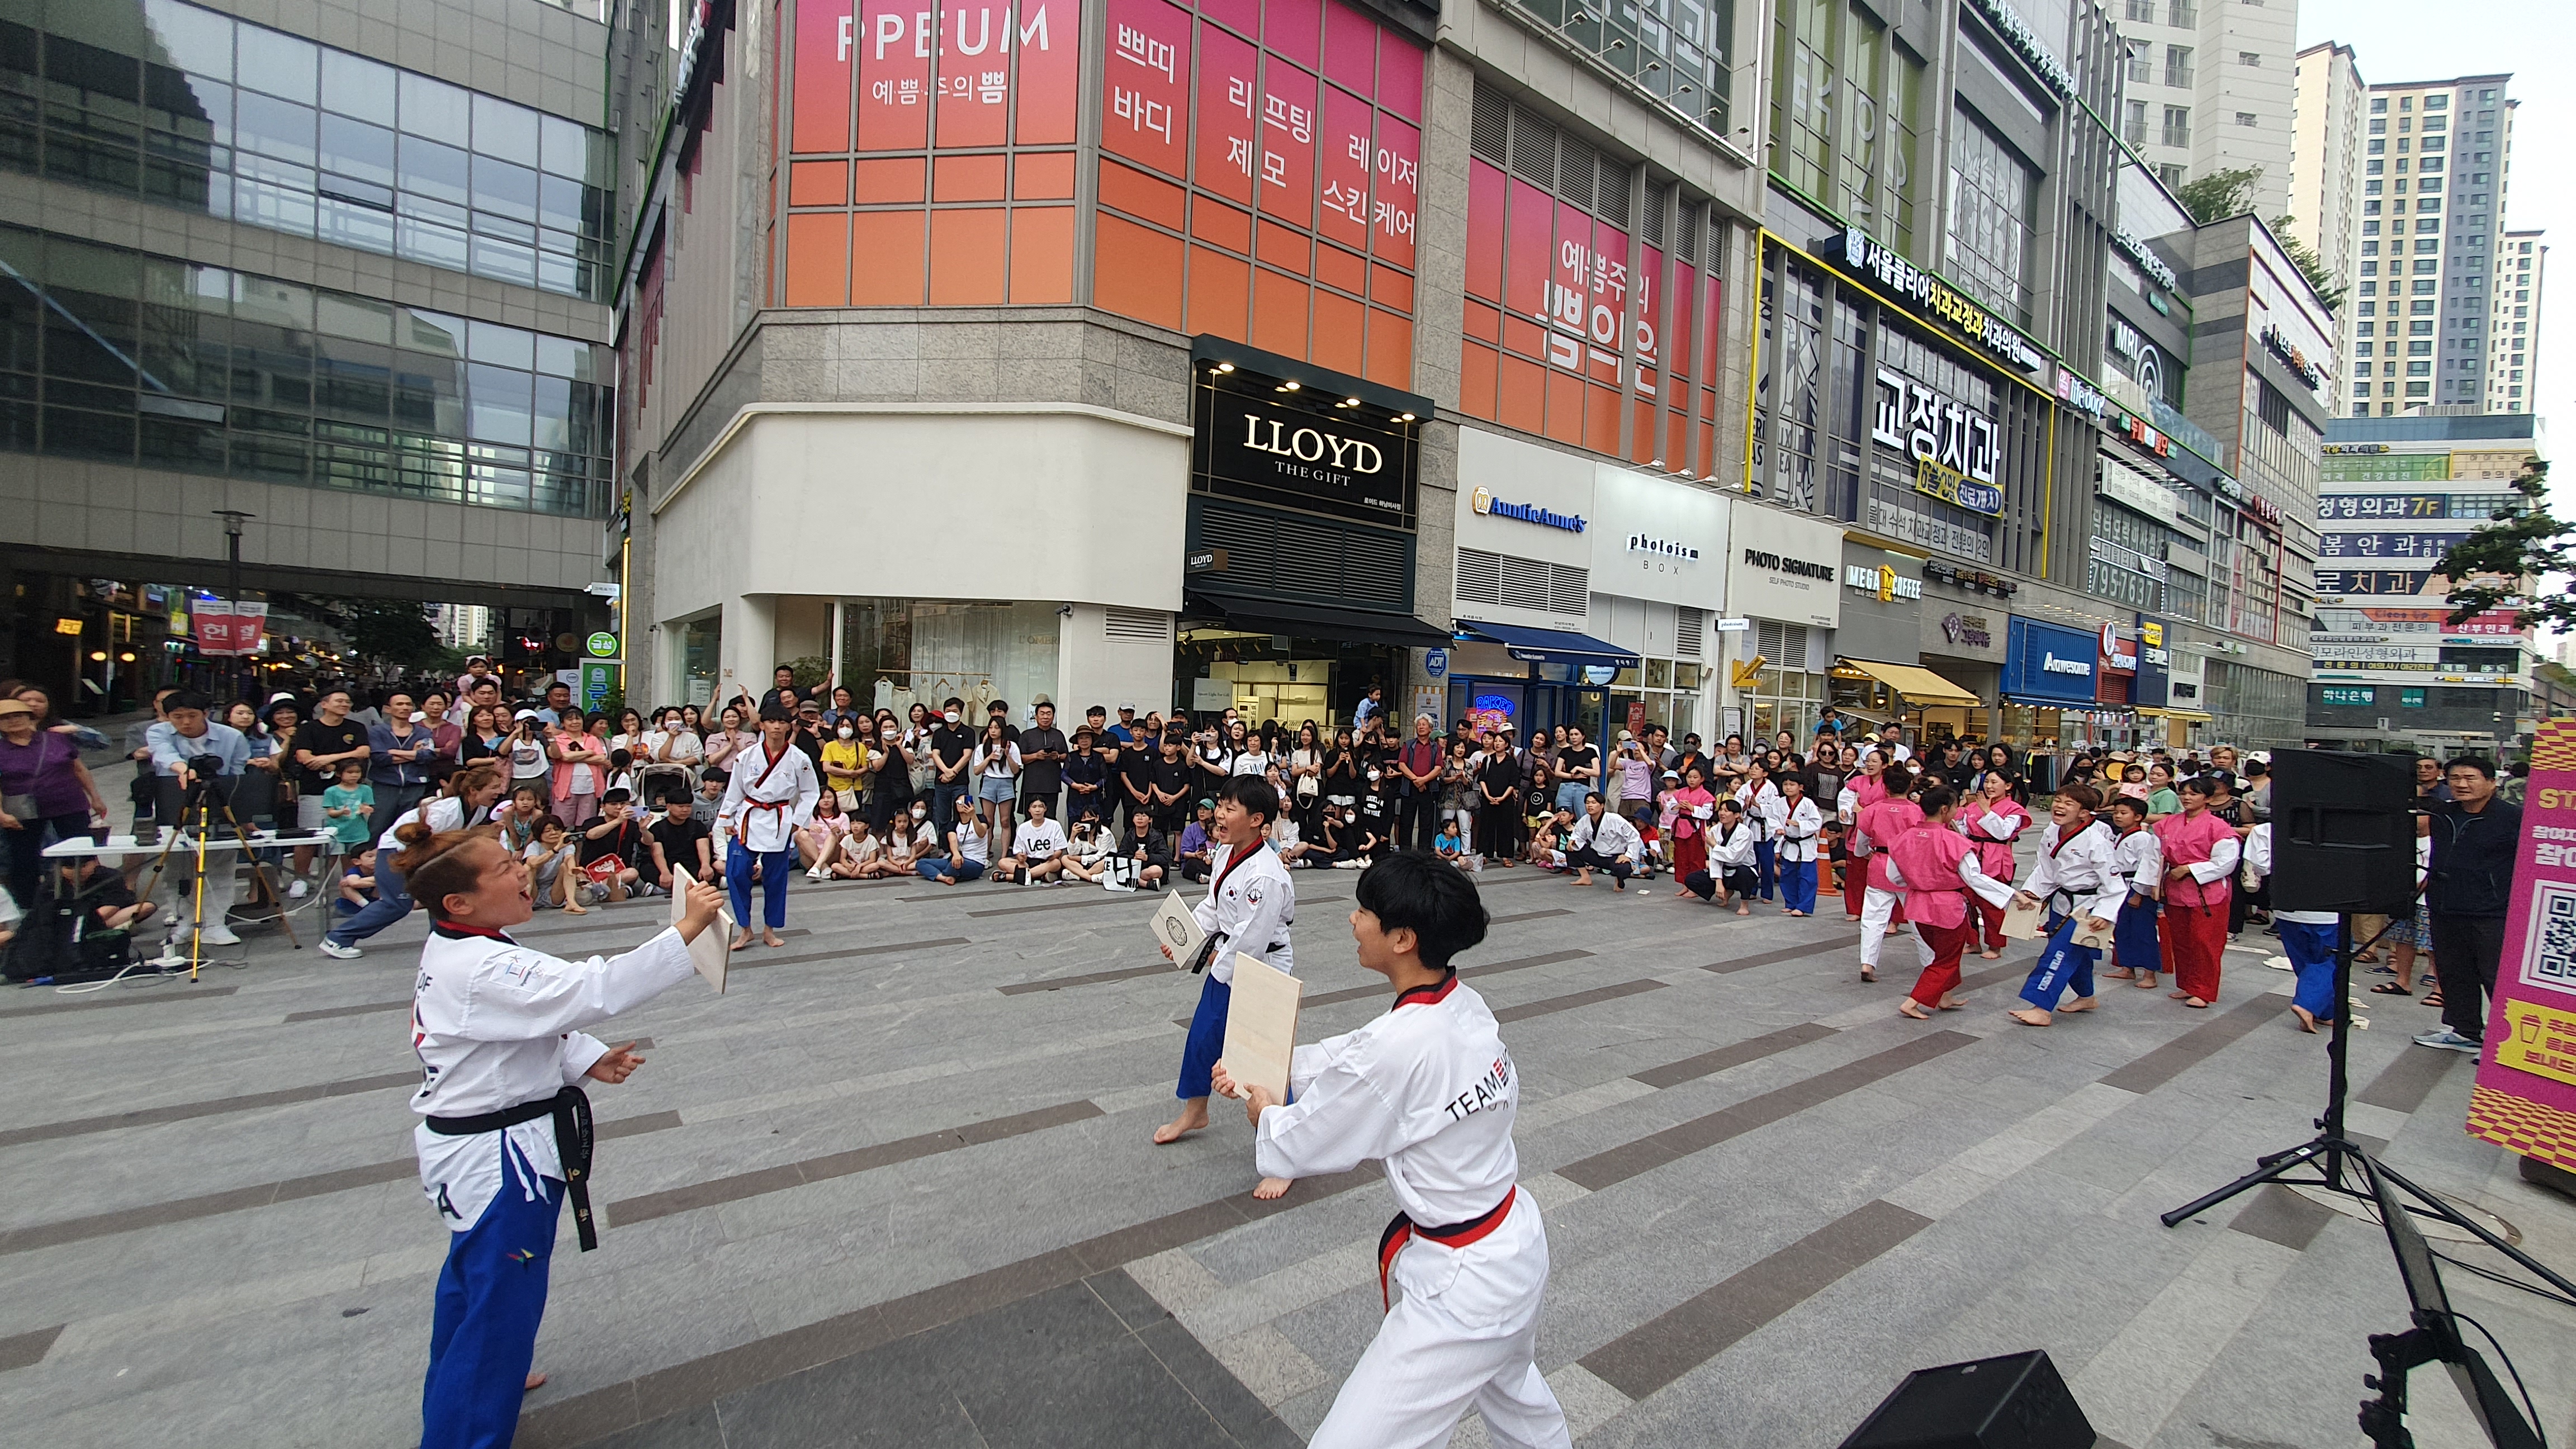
column 2525, row 1097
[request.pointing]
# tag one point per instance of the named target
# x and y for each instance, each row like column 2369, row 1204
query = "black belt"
column 571, row 1110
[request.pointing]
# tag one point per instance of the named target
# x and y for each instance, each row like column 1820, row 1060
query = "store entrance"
column 1292, row 679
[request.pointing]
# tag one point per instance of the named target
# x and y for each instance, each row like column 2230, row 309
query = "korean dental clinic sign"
column 2046, row 664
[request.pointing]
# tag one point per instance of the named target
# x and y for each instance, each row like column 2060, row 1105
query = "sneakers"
column 817, row 873
column 337, row 951
column 2449, row 1040
column 298, row 891
column 217, row 934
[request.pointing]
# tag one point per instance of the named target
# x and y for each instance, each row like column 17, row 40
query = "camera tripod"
column 201, row 798
column 2344, row 1167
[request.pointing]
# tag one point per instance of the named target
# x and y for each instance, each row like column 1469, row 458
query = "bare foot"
column 1744, row 910
column 2307, row 1019
column 535, row 1382
column 2030, row 1016
column 742, row 942
column 2119, row 973
column 2081, row 1003
column 2178, row 994
column 1913, row 1008
column 1990, row 955
column 772, row 939
column 2195, row 1003
column 575, row 908
column 1953, row 1003
column 1869, row 973
column 1192, row 1118
column 2146, row 981
column 1273, row 1187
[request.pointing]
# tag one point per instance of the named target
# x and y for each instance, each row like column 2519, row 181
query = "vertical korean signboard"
column 1258, row 178
column 2525, row 1097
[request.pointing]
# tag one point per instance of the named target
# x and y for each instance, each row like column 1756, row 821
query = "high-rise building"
column 2325, row 174
column 2434, row 170
column 2513, row 324
column 2209, row 85
column 342, row 269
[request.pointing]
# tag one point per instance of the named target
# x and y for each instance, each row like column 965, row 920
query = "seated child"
column 357, row 881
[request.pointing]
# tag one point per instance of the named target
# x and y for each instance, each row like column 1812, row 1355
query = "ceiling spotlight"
column 1618, row 45
column 1405, row 418
column 1577, row 18
column 1350, row 402
column 1654, row 65
column 1288, row 387
column 1225, row 367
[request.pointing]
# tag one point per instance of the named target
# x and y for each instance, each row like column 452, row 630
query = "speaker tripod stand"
column 202, row 799
column 2344, row 1167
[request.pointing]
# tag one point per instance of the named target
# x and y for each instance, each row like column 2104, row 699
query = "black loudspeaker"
column 2014, row 1402
column 2343, row 831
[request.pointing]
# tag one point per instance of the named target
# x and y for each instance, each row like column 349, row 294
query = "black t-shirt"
column 949, row 743
column 1136, row 771
column 626, row 842
column 1501, row 774
column 1375, row 808
column 679, row 838
column 1574, row 758
column 812, row 745
column 1041, row 777
column 1173, row 775
column 315, row 737
column 105, row 890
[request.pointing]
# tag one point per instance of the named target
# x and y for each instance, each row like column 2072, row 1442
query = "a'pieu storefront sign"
column 1302, row 448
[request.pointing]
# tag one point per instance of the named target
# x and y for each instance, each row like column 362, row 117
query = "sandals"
column 2390, row 988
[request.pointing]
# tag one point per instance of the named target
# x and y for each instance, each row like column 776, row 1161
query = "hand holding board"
column 1261, row 1025
column 713, row 950
column 2025, row 923
column 1177, row 931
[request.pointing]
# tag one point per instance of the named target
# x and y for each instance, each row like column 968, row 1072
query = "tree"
column 2220, row 194
column 2491, row 568
column 2329, row 287
column 395, row 631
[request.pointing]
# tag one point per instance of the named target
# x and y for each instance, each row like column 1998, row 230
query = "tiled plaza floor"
column 896, row 1187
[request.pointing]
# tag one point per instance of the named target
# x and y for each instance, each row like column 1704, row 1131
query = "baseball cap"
column 16, row 706
column 525, row 714
column 1126, row 709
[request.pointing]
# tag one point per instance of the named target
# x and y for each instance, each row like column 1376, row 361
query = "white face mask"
column 918, row 813
column 848, row 733
column 951, row 716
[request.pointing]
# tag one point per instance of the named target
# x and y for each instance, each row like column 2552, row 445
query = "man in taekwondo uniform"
column 504, row 1135
column 1428, row 1091
column 1250, row 905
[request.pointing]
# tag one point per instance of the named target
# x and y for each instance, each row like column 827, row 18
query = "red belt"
column 1457, row 1235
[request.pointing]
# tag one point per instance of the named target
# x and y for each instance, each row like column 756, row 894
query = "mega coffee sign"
column 1256, row 442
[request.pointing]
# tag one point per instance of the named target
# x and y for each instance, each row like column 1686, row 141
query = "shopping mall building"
column 1257, row 352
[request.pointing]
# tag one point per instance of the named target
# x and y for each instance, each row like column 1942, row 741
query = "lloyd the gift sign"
column 1351, row 461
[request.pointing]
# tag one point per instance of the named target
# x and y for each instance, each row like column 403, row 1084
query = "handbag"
column 849, row 800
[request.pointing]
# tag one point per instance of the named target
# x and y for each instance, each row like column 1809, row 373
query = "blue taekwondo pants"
column 2061, row 963
column 775, row 867
column 2311, row 950
column 2134, row 943
column 1798, row 885
column 483, row 1333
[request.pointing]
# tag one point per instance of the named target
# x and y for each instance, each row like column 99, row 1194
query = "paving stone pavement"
column 896, row 1187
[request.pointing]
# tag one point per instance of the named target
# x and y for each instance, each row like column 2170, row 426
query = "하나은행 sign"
column 2525, row 1097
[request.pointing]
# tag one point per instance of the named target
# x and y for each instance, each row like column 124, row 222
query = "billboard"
column 2525, row 1096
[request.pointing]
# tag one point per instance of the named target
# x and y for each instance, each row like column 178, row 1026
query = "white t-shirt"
column 528, row 759
column 1039, row 840
column 1251, row 762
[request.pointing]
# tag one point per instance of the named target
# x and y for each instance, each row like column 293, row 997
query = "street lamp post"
column 233, row 519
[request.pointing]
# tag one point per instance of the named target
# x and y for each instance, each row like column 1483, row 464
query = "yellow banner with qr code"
column 2525, row 1097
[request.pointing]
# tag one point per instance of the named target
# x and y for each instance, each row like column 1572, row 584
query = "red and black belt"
column 1403, row 1230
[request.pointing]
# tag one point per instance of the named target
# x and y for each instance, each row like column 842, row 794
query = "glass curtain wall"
column 1847, row 112
column 895, row 652
column 188, row 107
column 1994, row 208
column 127, row 357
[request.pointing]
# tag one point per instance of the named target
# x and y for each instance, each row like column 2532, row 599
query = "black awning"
column 1315, row 621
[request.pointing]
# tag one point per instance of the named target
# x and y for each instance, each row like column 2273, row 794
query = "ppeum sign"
column 1302, row 447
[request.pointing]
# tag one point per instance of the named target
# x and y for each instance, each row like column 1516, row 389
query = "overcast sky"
column 2533, row 40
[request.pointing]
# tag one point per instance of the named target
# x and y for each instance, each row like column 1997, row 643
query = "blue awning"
column 1549, row 646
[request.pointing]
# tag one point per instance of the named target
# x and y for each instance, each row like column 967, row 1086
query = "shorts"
column 998, row 789
column 308, row 814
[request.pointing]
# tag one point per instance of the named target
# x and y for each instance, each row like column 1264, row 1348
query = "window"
column 322, row 143
column 2177, row 130
column 2436, row 103
column 2377, row 147
column 164, row 363
column 2141, row 67
column 2171, row 175
column 2143, row 11
column 2419, row 369
column 2134, row 124
column 2378, row 107
column 1993, row 202
column 2249, row 59
column 2182, row 15
column 2177, row 66
column 2245, row 118
column 2419, row 349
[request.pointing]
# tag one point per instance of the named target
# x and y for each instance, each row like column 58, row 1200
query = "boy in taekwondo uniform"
column 771, row 797
column 2077, row 876
column 504, row 1135
column 1251, row 903
column 1429, row 1092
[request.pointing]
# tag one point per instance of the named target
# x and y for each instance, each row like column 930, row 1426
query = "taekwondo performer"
column 771, row 798
column 2200, row 853
column 1881, row 822
column 2135, row 954
column 1427, row 1090
column 1797, row 823
column 505, row 1130
column 1251, row 903
column 1937, row 868
column 2308, row 938
column 2077, row 876
column 1992, row 819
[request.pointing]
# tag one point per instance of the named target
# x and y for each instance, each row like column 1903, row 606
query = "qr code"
column 2549, row 955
